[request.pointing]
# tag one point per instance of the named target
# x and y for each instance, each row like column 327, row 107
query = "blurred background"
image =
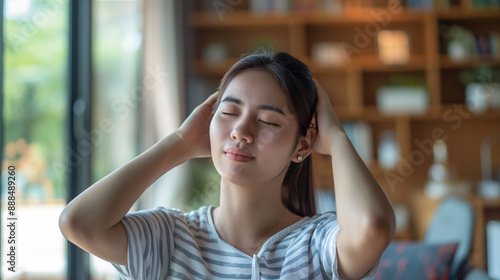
column 88, row 85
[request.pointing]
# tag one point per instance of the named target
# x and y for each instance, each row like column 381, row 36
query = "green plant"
column 459, row 34
column 399, row 80
column 482, row 74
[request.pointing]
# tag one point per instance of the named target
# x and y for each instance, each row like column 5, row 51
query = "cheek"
column 217, row 132
column 275, row 141
column 213, row 133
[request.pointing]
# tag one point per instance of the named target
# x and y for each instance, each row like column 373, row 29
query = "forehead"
column 257, row 88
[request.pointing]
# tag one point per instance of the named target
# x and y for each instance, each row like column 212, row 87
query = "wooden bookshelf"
column 352, row 86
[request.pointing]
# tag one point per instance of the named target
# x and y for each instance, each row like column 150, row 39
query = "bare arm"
column 365, row 215
column 92, row 220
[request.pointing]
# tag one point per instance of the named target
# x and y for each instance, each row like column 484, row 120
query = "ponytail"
column 297, row 191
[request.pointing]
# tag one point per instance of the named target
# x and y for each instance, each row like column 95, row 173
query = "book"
column 494, row 41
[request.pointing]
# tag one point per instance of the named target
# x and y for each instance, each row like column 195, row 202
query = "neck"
column 249, row 215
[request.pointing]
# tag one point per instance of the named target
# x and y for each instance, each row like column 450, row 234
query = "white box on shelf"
column 481, row 96
column 406, row 100
column 329, row 54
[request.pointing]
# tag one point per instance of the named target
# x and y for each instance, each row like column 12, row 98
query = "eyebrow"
column 263, row 107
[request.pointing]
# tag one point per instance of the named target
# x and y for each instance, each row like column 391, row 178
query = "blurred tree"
column 35, row 81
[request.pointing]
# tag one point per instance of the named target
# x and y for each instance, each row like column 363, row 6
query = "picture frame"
column 393, row 47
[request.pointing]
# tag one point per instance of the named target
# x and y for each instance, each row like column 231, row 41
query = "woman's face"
column 253, row 134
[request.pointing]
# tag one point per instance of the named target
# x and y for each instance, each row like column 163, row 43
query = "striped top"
column 168, row 244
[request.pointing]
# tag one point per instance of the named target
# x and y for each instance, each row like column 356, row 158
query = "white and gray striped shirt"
column 168, row 244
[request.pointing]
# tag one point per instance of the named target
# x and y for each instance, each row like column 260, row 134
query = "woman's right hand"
column 194, row 131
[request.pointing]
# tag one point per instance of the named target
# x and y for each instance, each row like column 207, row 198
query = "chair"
column 453, row 221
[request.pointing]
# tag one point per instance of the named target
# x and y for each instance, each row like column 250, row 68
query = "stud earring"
column 299, row 158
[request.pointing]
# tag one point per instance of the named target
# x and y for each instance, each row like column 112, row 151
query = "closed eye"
column 269, row 123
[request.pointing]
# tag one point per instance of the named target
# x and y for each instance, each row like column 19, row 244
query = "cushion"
column 416, row 260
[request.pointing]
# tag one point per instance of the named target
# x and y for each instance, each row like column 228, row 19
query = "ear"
column 305, row 145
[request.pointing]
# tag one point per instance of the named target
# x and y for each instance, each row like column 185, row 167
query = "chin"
column 239, row 177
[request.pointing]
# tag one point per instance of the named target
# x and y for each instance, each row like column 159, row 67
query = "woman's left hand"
column 326, row 122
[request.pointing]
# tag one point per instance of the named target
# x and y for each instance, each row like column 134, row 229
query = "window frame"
column 78, row 93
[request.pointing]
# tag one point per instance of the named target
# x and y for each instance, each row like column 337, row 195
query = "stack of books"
column 445, row 4
column 284, row 6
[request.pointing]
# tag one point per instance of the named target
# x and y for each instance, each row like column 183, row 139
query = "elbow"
column 70, row 226
column 377, row 231
column 382, row 230
column 66, row 225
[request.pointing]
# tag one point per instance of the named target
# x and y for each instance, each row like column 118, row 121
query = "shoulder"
column 323, row 221
column 157, row 214
column 324, row 217
column 317, row 228
column 138, row 224
column 195, row 216
column 171, row 213
column 167, row 224
column 197, row 219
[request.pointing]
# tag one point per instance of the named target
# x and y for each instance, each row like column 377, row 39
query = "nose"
column 242, row 131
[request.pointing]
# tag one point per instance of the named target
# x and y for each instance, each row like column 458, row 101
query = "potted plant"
column 460, row 43
column 482, row 88
column 403, row 94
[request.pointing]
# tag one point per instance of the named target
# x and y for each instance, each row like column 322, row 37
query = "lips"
column 238, row 154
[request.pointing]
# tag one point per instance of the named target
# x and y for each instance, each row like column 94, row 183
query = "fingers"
column 211, row 100
column 319, row 89
column 212, row 97
column 313, row 121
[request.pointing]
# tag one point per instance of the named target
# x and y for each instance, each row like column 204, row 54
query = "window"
column 34, row 115
column 35, row 62
column 117, row 41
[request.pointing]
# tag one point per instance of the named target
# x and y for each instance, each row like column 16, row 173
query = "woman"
column 259, row 128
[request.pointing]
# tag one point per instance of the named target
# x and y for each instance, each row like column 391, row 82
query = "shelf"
column 368, row 113
column 363, row 63
column 240, row 19
column 352, row 86
column 369, row 63
column 360, row 16
column 244, row 18
column 372, row 114
column 447, row 63
column 201, row 67
column 468, row 14
column 438, row 115
column 490, row 202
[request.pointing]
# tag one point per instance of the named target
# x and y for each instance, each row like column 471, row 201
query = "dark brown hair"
column 294, row 78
